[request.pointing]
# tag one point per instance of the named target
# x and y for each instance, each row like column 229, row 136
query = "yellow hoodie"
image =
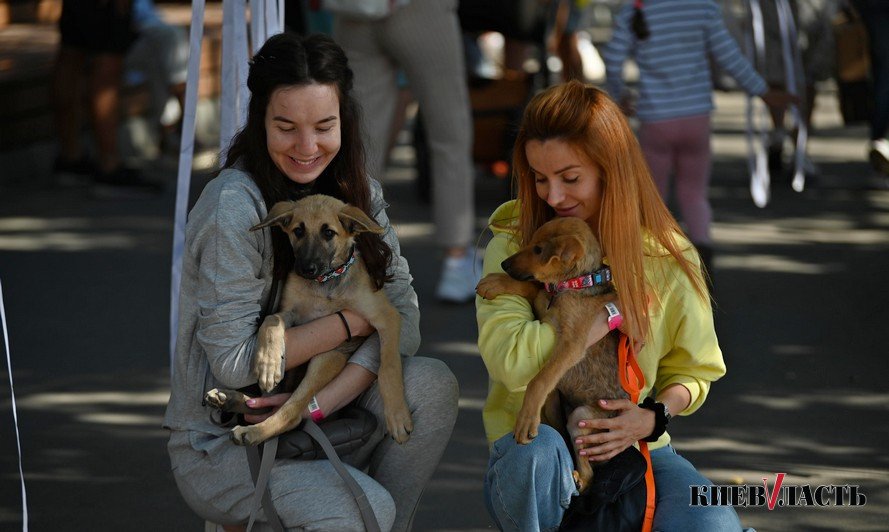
column 681, row 347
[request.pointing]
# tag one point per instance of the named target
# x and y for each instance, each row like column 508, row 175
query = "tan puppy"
column 322, row 232
column 562, row 249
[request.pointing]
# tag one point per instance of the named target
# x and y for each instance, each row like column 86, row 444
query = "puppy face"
column 560, row 249
column 321, row 230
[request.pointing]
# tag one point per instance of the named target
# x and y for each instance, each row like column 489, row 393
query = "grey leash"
column 261, row 470
column 367, row 514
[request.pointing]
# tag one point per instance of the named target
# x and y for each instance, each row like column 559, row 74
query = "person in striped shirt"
column 671, row 42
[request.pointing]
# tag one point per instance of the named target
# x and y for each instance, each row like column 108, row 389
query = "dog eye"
column 538, row 250
column 328, row 233
column 300, row 231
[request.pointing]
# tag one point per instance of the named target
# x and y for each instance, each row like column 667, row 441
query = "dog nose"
column 506, row 264
column 308, row 270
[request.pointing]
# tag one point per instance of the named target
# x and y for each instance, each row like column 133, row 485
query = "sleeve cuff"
column 368, row 355
column 695, row 390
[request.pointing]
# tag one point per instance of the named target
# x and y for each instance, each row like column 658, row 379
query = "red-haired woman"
column 576, row 156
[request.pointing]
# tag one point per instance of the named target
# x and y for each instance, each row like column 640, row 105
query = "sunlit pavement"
column 801, row 313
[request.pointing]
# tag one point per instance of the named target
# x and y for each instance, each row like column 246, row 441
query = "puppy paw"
column 493, row 285
column 244, row 436
column 583, row 475
column 216, row 398
column 399, row 423
column 268, row 366
column 526, row 426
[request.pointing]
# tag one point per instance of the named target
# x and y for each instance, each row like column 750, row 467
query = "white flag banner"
column 795, row 84
column 15, row 417
column 757, row 114
column 233, row 108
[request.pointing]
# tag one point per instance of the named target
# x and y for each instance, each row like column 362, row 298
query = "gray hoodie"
column 226, row 280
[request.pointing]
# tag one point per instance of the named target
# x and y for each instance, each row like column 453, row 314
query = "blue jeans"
column 528, row 487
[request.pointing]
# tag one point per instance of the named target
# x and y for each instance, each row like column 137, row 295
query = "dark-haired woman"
column 302, row 137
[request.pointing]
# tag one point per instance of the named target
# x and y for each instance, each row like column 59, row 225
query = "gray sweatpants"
column 424, row 40
column 213, row 476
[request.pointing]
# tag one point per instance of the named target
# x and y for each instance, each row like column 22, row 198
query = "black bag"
column 615, row 500
column 347, row 430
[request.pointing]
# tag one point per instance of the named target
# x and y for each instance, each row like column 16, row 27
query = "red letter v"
column 773, row 496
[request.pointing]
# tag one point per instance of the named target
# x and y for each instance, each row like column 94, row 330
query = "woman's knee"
column 340, row 513
column 674, row 476
column 548, row 447
column 430, row 386
column 529, row 485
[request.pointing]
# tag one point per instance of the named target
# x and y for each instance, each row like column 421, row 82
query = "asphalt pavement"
column 801, row 311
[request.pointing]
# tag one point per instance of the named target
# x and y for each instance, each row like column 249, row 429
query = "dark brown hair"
column 289, row 60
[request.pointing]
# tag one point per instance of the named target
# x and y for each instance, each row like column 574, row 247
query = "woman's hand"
column 358, row 326
column 274, row 401
column 779, row 99
column 631, row 425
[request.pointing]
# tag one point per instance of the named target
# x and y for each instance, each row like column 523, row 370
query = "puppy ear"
column 280, row 214
column 568, row 248
column 357, row 221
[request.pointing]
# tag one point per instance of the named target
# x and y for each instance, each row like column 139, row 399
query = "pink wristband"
column 614, row 317
column 315, row 410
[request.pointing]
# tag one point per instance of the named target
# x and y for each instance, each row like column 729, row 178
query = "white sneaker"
column 459, row 276
column 879, row 155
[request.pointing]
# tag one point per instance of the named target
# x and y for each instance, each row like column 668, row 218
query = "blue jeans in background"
column 529, row 487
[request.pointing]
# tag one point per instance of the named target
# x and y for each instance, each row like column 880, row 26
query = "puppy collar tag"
column 336, row 272
column 602, row 276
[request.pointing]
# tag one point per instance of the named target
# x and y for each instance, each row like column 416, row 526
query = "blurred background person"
column 423, row 39
column 671, row 41
column 95, row 36
column 565, row 16
column 159, row 58
column 812, row 19
column 875, row 14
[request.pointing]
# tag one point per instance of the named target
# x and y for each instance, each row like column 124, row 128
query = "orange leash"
column 632, row 380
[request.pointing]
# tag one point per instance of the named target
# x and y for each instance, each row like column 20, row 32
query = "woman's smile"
column 303, row 130
column 567, row 181
column 304, row 163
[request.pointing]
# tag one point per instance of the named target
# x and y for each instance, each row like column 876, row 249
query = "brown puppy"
column 322, row 232
column 562, row 249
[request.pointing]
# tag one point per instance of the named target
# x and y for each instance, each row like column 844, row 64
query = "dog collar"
column 336, row 272
column 600, row 277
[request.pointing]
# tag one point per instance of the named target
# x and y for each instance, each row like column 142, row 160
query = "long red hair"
column 586, row 118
